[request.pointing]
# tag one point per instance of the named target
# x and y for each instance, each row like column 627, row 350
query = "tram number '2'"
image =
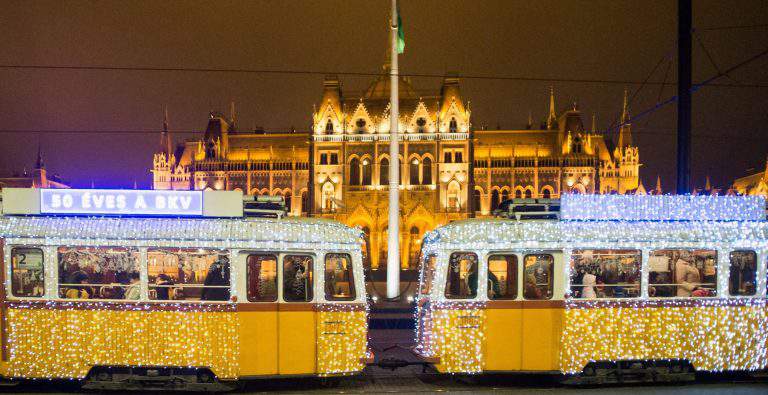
column 468, row 322
column 333, row 328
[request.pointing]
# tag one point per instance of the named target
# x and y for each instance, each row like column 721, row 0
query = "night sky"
column 604, row 40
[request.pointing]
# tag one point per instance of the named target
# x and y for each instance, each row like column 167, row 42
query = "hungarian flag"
column 400, row 34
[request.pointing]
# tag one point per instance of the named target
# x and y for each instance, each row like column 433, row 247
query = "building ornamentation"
column 449, row 170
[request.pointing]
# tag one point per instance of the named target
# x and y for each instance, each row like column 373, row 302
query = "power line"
column 696, row 87
column 157, row 131
column 735, row 27
column 361, row 74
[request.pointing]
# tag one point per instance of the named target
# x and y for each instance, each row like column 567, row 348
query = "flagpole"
column 393, row 230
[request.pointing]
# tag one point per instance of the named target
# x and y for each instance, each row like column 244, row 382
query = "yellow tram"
column 174, row 302
column 618, row 288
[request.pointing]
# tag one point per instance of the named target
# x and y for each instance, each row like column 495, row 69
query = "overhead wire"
column 359, row 74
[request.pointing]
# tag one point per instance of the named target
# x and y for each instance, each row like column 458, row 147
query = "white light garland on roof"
column 268, row 230
column 717, row 334
column 662, row 207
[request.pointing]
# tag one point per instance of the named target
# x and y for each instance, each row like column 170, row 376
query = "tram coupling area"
column 391, row 326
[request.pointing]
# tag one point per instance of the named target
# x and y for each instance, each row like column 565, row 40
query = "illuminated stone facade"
column 753, row 184
column 447, row 168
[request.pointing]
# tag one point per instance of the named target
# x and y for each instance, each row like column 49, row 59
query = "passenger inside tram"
column 538, row 276
column 462, row 276
column 297, row 278
column 605, row 274
column 682, row 273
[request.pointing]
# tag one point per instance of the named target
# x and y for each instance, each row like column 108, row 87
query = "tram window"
column 188, row 274
column 339, row 281
column 682, row 273
column 502, row 277
column 297, row 278
column 462, row 276
column 428, row 266
column 261, row 271
column 605, row 274
column 28, row 277
column 98, row 273
column 538, row 272
column 742, row 280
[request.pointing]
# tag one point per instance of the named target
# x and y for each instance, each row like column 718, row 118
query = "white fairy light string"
column 715, row 334
column 50, row 338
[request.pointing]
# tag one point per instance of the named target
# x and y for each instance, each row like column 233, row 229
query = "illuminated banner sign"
column 121, row 202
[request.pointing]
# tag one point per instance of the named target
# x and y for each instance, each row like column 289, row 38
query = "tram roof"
column 299, row 230
column 499, row 231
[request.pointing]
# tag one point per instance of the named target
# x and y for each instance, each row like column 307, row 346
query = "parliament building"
column 449, row 170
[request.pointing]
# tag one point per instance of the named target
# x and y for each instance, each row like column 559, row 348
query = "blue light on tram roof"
column 662, row 208
column 121, row 202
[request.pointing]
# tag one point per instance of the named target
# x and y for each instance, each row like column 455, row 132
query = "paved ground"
column 426, row 384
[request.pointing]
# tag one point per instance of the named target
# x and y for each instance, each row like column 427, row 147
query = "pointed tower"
column 552, row 117
column 625, row 128
column 594, row 123
column 232, row 116
column 708, row 184
column 529, row 125
column 39, row 175
column 657, row 190
column 165, row 136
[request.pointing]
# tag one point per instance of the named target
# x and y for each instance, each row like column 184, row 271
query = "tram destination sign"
column 121, row 202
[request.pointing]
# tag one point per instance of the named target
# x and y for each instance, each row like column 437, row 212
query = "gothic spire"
column 708, row 185
column 165, row 136
column 625, row 108
column 594, row 123
column 552, row 118
column 529, row 125
column 625, row 128
column 658, row 184
column 39, row 164
column 232, row 115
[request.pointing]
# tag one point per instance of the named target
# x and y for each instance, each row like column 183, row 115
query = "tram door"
column 258, row 313
column 296, row 315
column 542, row 291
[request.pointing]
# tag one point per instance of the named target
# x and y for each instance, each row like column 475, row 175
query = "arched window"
column 304, row 202
column 360, row 126
column 454, row 196
column 384, row 172
column 495, row 199
column 506, row 195
column 288, row 199
column 546, row 194
column 354, row 171
column 476, row 198
column 366, row 247
column 518, row 194
column 528, row 194
column 414, row 247
column 414, row 171
column 329, row 127
column 383, row 246
column 421, row 124
column 328, row 192
column 453, row 126
column 367, row 171
column 426, row 171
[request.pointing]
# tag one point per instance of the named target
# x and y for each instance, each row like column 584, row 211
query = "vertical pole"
column 311, row 175
column 684, row 16
column 393, row 234
column 471, row 176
